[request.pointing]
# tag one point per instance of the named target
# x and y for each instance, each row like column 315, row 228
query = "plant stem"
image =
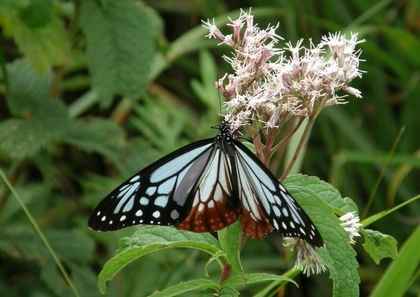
column 301, row 144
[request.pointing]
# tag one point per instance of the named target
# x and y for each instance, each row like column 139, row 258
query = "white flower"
column 351, row 225
column 305, row 253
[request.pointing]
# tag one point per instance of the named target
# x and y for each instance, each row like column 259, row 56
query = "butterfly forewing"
column 158, row 194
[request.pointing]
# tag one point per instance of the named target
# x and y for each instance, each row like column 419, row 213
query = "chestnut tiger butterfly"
column 204, row 187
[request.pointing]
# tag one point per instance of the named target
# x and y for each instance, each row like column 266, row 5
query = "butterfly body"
column 206, row 186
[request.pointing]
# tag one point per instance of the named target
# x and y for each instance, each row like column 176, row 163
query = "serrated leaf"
column 230, row 240
column 44, row 46
column 337, row 254
column 120, row 46
column 324, row 190
column 379, row 245
column 26, row 89
column 152, row 238
column 185, row 287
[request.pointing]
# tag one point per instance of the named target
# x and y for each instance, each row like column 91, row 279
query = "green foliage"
column 93, row 91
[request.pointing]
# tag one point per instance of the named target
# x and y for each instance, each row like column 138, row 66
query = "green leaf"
column 44, row 46
column 185, row 287
column 38, row 13
column 324, row 190
column 237, row 280
column 24, row 138
column 230, row 239
column 400, row 274
column 379, row 245
column 228, row 292
column 26, row 90
column 337, row 254
column 44, row 120
column 96, row 135
column 149, row 239
column 120, row 46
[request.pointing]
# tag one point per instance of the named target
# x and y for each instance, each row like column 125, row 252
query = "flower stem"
column 301, row 144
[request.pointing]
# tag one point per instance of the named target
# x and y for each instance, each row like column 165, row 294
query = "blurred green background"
column 93, row 91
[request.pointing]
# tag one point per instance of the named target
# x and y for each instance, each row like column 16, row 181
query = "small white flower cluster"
column 305, row 254
column 351, row 224
column 278, row 84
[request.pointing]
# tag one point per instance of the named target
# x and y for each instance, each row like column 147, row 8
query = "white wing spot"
column 103, row 218
column 292, row 225
column 123, row 217
column 302, row 231
column 284, row 225
column 201, row 207
column 156, row 214
column 144, row 201
column 139, row 213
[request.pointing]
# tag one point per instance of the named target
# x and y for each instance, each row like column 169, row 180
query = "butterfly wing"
column 215, row 205
column 266, row 204
column 160, row 194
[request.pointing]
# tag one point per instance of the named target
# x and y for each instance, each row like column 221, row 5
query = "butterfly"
column 204, row 187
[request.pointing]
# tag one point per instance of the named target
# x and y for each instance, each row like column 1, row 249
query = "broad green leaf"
column 43, row 120
column 337, row 254
column 324, row 190
column 230, row 240
column 185, row 287
column 120, row 46
column 379, row 245
column 400, row 274
column 44, row 46
column 150, row 239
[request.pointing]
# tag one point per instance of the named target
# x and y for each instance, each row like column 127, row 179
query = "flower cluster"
column 351, row 224
column 305, row 253
column 278, row 84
